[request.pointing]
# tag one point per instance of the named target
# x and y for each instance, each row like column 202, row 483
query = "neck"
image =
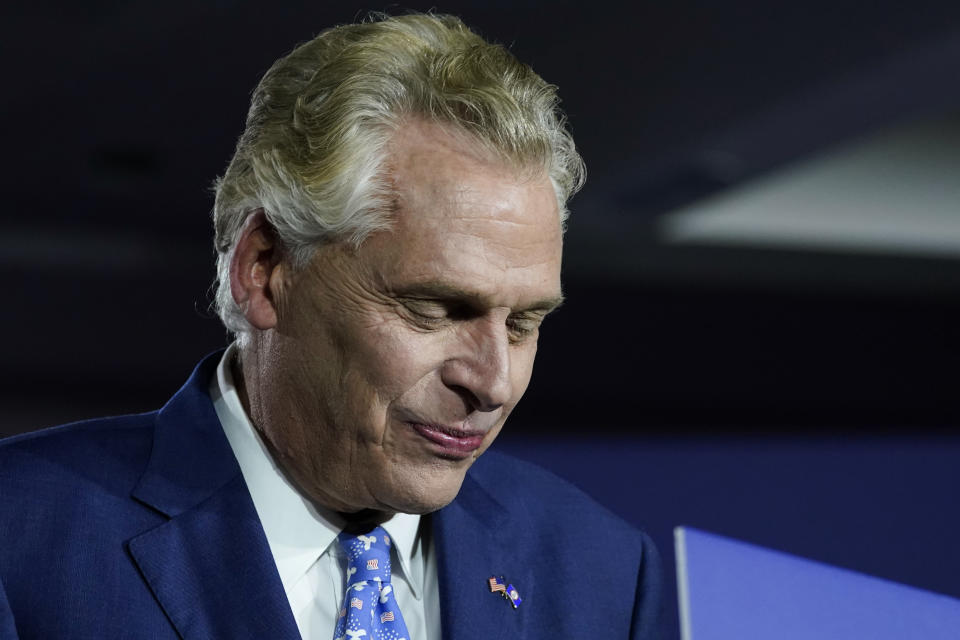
column 364, row 521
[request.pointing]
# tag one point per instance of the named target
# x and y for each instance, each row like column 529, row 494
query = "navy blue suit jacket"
column 142, row 527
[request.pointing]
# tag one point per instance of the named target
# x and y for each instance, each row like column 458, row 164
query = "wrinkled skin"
column 432, row 323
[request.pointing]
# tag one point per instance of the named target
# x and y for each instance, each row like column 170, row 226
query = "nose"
column 480, row 368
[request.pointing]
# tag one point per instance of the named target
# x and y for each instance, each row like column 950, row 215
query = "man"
column 389, row 235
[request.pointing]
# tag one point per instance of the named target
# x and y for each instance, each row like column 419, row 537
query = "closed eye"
column 438, row 312
column 524, row 326
column 435, row 306
column 427, row 309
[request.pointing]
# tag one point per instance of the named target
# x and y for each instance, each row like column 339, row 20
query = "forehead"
column 468, row 221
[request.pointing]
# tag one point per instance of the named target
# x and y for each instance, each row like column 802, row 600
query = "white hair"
column 314, row 151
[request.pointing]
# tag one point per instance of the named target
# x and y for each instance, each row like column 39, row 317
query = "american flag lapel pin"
column 497, row 585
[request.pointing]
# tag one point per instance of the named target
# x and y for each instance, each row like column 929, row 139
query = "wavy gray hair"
column 313, row 153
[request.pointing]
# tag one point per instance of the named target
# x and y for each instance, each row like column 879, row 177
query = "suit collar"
column 209, row 566
column 191, row 457
column 476, row 539
column 212, row 573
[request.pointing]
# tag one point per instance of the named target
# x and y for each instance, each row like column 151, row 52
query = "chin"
column 425, row 496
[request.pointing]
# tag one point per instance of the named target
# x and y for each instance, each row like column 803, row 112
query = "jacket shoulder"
column 527, row 488
column 598, row 548
column 96, row 453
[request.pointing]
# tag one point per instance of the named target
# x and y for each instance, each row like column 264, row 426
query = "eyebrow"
column 445, row 291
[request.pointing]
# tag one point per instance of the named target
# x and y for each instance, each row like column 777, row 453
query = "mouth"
column 449, row 442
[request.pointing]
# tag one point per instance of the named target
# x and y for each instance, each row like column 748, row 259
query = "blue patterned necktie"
column 369, row 607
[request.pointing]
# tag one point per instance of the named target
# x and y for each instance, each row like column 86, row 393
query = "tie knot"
column 368, row 557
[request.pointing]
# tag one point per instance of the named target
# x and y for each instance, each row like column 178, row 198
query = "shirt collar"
column 403, row 529
column 297, row 532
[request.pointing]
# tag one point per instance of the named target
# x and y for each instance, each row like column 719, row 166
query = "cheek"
column 521, row 369
column 394, row 360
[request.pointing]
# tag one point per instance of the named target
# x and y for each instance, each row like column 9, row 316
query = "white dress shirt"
column 303, row 538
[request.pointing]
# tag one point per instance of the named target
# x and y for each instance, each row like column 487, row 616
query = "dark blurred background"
column 763, row 271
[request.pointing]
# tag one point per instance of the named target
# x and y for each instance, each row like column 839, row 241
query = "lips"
column 450, row 441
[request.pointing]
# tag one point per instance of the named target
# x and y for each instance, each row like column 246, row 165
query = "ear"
column 256, row 271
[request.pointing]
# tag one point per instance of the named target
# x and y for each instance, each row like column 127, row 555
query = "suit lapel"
column 209, row 566
column 211, row 570
column 473, row 543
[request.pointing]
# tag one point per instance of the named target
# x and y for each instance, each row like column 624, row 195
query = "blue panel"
column 739, row 591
